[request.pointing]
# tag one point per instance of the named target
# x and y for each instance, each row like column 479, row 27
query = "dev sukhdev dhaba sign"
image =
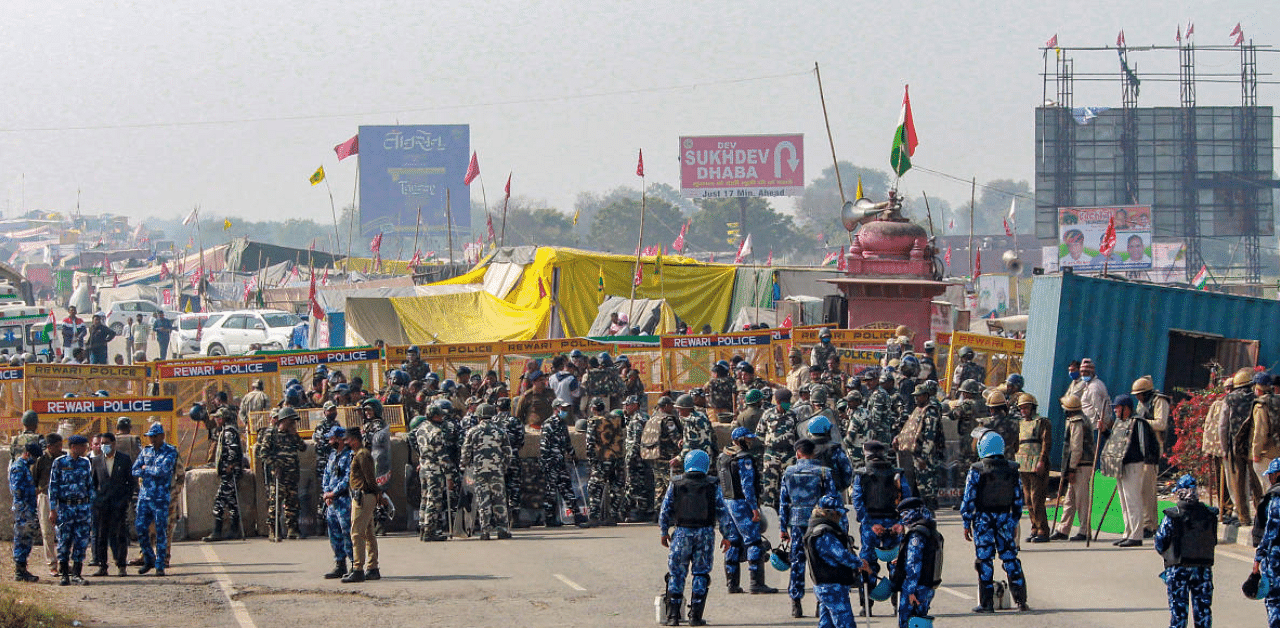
column 88, row 406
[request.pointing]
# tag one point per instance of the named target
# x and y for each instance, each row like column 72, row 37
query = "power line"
column 500, row 103
column 970, row 182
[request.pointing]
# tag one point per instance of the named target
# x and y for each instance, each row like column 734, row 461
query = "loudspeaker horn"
column 1011, row 262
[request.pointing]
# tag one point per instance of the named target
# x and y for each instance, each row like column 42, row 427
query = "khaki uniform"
column 1265, row 445
column 1158, row 417
column 1077, row 456
column 1033, row 450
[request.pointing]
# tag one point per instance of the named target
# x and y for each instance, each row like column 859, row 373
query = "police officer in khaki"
column 1078, row 445
column 1034, row 434
column 1154, row 407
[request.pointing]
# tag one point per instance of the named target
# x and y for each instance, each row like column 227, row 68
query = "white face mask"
column 106, row 450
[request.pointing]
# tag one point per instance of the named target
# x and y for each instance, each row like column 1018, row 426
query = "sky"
column 148, row 107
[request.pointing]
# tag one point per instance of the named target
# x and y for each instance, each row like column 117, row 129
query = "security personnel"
column 1153, row 406
column 877, row 489
column 740, row 482
column 921, row 445
column 964, row 411
column 279, row 447
column 321, row 442
column 1265, row 441
column 556, row 454
column 830, row 454
column 1266, row 559
column 918, row 570
column 605, row 444
column 698, row 433
column 720, row 390
column 1001, row 421
column 803, row 484
column 514, row 476
column 377, row 440
column 435, row 464
column 823, row 350
column 30, row 434
column 336, row 494
column 660, row 444
column 1186, row 539
column 1077, row 471
column 26, row 518
column 884, row 411
column 71, row 496
column 486, row 453
column 693, row 504
column 155, row 469
column 228, row 459
column 752, row 413
column 1237, row 441
column 1034, row 434
column 991, row 507
column 967, row 369
column 778, row 430
column 854, row 425
column 413, row 364
column 833, row 565
column 639, row 477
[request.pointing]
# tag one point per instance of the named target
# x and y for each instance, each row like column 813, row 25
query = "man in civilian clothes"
column 113, row 480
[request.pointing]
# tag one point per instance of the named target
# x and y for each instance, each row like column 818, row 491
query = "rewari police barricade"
column 446, row 359
column 362, row 362
column 1001, row 356
column 192, row 380
column 46, row 381
column 858, row 349
column 11, row 398
column 93, row 415
column 687, row 360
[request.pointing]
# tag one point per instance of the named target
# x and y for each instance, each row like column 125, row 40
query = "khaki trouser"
column 1149, row 506
column 1076, row 502
column 47, row 530
column 1244, row 487
column 1129, row 485
column 1033, row 490
column 362, row 536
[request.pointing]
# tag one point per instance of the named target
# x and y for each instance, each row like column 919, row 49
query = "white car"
column 124, row 311
column 235, row 331
column 188, row 330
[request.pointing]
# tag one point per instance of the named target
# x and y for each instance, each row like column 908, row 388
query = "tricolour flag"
column 348, row 148
column 640, row 164
column 1198, row 282
column 830, row 258
column 317, row 176
column 904, row 138
column 1109, row 239
column 473, row 169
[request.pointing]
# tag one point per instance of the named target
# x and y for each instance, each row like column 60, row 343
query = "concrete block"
column 201, row 487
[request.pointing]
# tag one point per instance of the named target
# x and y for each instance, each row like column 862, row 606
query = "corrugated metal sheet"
column 1125, row 328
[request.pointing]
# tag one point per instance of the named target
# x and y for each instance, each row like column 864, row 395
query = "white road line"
column 950, row 591
column 572, row 585
column 224, row 582
column 1234, row 556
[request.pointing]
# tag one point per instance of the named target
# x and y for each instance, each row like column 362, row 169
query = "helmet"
column 818, row 393
column 820, row 425
column 783, row 395
column 920, row 621
column 696, row 460
column 685, row 401
column 487, row 411
column 910, row 366
column 292, row 382
column 504, row 404
column 1015, row 379
column 102, row 393
column 1186, row 481
column 883, row 587
column 29, row 417
column 69, row 396
column 871, row 373
column 887, row 554
column 445, row 405
column 294, row 395
column 1242, row 377
column 623, row 359
column 966, row 353
column 417, row 420
column 576, row 353
column 754, row 396
column 1071, row 403
column 374, row 404
column 971, row 386
column 411, row 349
column 1027, row 399
column 398, row 377
column 991, row 444
column 824, row 333
column 927, row 387
column 448, row 386
column 197, row 412
column 287, row 412
column 902, row 330
column 598, row 403
column 664, row 400
column 854, row 396
column 433, row 377
column 604, row 359
column 720, row 368
column 1141, row 385
column 631, row 400
column 745, row 367
column 1274, row 467
column 322, row 370
column 930, row 345
column 996, row 398
column 780, row 559
column 1256, row 587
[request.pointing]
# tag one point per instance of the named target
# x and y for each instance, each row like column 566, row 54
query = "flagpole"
column 337, row 236
column 351, row 220
column 448, row 216
column 830, row 140
column 416, row 227
column 973, row 199
column 631, row 307
column 504, row 210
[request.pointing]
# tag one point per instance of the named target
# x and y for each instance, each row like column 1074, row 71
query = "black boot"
column 356, row 575
column 674, row 602
column 233, row 529
column 21, row 574
column 216, row 535
column 76, row 570
column 1019, row 592
column 733, row 578
column 757, row 579
column 101, row 571
column 796, row 609
column 339, row 570
column 986, row 594
column 696, row 605
column 64, row 573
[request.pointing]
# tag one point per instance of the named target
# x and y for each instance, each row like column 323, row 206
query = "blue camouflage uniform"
column 741, row 511
column 71, row 494
column 337, row 473
column 154, row 467
column 26, row 522
column 692, row 547
column 868, row 520
column 803, row 484
column 911, row 559
column 993, row 532
column 832, row 559
column 1268, row 554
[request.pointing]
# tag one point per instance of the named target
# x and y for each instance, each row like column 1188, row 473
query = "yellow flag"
column 318, row 176
column 575, row 217
column 226, row 224
column 859, row 194
column 188, row 308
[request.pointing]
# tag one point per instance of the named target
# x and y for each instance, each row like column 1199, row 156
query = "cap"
column 156, row 429
column 1186, row 481
column 338, row 431
column 1123, row 401
column 1262, row 379
column 1274, row 467
column 534, row 376
column 77, row 439
column 741, row 432
column 34, row 449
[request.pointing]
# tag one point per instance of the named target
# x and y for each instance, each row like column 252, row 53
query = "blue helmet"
column 921, row 621
column 882, row 589
column 991, row 444
column 696, row 460
column 398, row 377
column 820, row 425
column 830, row 503
column 780, row 559
column 741, row 432
column 292, row 382
column 887, row 554
column 445, row 405
column 448, row 386
column 1274, row 467
column 1015, row 379
column 1186, row 481
column 1257, row 587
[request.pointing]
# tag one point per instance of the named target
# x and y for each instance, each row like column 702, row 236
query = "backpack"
column 651, row 438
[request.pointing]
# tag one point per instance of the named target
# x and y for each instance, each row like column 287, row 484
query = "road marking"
column 572, row 585
column 954, row 592
column 224, row 582
column 1234, row 556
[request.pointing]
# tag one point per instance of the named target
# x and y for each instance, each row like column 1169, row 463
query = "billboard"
column 1082, row 229
column 723, row 166
column 404, row 168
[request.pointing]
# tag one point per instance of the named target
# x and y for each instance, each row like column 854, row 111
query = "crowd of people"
column 821, row 449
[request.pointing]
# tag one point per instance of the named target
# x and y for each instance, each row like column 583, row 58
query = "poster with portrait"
column 1082, row 229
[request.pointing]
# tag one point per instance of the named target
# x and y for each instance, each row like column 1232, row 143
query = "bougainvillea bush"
column 1188, row 423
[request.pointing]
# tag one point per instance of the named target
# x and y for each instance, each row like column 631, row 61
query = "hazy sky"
column 561, row 93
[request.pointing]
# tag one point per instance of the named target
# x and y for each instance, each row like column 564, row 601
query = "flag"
column 1053, row 42
column 375, row 245
column 977, row 266
column 786, row 322
column 830, row 258
column 247, row 290
column 1179, row 36
column 1007, row 230
column 951, row 224
column 324, row 281
column 859, row 193
column 416, row 260
column 1120, row 39
column 317, row 312
column 600, row 280
column 473, row 170
column 769, row 261
column 508, row 188
column 640, row 164
column 191, row 241
column 639, row 278
column 678, row 245
column 348, row 148
column 840, row 263
column 188, row 308
column 576, row 212
column 1236, row 31
column 742, row 249
column 947, row 258
column 1109, row 239
column 1010, row 217
column 1191, row 28
column 192, row 217
column 226, row 224
column 542, row 289
column 904, row 138
column 164, row 270
column 294, row 274
column 115, row 278
column 713, row 259
column 317, row 176
column 657, row 263
column 1198, row 282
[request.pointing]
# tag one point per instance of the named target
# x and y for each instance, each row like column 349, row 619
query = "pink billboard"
column 723, row 166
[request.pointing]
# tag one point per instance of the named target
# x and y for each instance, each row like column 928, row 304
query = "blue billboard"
column 404, row 168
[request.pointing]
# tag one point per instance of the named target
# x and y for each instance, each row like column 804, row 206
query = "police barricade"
column 860, row 340
column 516, row 355
column 193, row 380
column 47, row 381
column 11, row 404
column 446, row 359
column 687, row 360
column 364, row 363
column 647, row 359
column 93, row 415
column 1000, row 356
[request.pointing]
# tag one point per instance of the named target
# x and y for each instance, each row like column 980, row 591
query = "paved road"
column 571, row 577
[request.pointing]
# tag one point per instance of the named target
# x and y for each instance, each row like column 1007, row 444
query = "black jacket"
column 115, row 490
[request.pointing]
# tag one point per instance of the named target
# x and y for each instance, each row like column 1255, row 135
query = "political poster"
column 407, row 168
column 1082, row 230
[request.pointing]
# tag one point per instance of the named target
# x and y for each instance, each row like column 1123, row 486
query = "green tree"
column 540, row 226
column 819, row 209
column 617, row 225
column 768, row 228
column 991, row 208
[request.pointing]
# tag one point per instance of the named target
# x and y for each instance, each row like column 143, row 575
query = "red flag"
column 786, row 322
column 492, row 236
column 639, row 274
column 713, row 259
column 164, row 270
column 348, row 148
column 1179, row 37
column 1239, row 39
column 640, row 164
column 508, row 185
column 840, row 263
column 115, row 278
column 1109, row 239
column 977, row 267
column 1007, row 230
column 473, row 170
column 317, row 312
column 1053, row 42
column 1236, row 31
column 1191, row 28
column 417, row 258
column 947, row 258
column 376, row 245
column 542, row 290
column 678, row 245
column 769, row 262
column 1120, row 39
column 324, row 281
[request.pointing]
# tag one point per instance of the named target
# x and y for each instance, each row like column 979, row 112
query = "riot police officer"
column 1186, row 539
column 991, row 507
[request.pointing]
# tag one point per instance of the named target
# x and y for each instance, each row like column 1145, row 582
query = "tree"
column 768, row 228
column 617, row 225
column 992, row 206
column 819, row 209
column 541, row 226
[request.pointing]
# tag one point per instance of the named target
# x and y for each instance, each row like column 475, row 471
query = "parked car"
column 122, row 311
column 236, row 330
column 188, row 329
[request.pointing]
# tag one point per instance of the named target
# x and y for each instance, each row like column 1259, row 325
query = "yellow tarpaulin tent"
column 468, row 317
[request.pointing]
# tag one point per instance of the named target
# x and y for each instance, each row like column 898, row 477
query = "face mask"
column 563, row 414
column 106, row 450
column 1087, row 378
column 826, row 341
column 786, row 405
column 1074, row 375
